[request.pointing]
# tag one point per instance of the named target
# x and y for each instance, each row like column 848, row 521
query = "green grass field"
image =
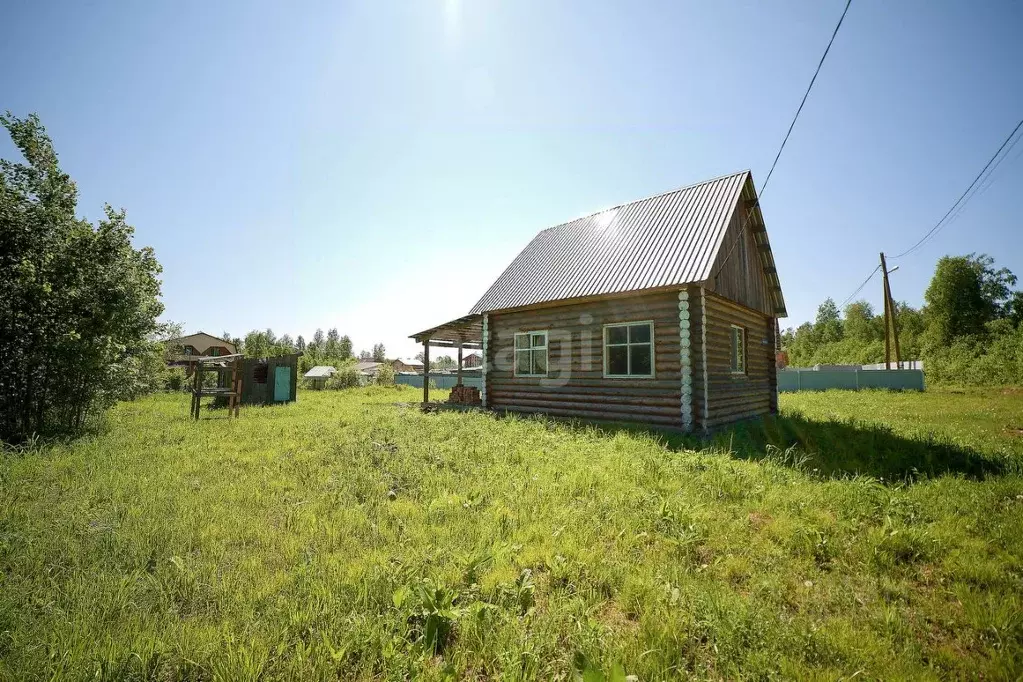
column 344, row 537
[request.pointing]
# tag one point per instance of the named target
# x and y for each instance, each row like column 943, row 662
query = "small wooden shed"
column 662, row 310
column 318, row 375
column 267, row 381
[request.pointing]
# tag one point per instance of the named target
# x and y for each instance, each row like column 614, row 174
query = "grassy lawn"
column 343, row 537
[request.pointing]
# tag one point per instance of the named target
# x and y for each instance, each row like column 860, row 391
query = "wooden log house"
column 662, row 311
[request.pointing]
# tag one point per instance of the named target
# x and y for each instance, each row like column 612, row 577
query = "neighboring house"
column 182, row 351
column 662, row 310
column 406, row 365
column 318, row 375
column 368, row 369
column 472, row 360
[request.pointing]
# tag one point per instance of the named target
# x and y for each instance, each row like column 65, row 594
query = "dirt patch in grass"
column 613, row 617
column 758, row 520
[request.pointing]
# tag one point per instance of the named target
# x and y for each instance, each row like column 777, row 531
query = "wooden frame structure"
column 232, row 393
column 465, row 332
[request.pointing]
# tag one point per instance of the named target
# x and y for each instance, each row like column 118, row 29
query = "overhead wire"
column 990, row 179
column 978, row 186
column 860, row 287
column 944, row 219
column 767, row 179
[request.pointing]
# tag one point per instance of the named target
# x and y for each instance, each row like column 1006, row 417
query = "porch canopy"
column 464, row 332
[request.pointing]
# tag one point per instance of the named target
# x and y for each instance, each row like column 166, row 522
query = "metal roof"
column 366, row 364
column 320, row 372
column 665, row 240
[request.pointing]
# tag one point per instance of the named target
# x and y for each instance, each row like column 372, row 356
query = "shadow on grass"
column 834, row 448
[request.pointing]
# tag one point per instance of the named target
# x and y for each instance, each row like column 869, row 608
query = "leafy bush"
column 78, row 302
column 385, row 375
column 974, row 362
column 346, row 377
column 175, row 379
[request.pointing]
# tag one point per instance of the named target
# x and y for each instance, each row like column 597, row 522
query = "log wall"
column 737, row 396
column 575, row 385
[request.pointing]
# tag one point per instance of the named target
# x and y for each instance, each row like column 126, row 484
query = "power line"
column 987, row 179
column 978, row 186
column 860, row 287
column 763, row 187
column 792, row 125
column 990, row 179
column 937, row 226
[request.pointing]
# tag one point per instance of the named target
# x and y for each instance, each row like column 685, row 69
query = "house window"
column 214, row 352
column 738, row 354
column 188, row 350
column 531, row 354
column 629, row 349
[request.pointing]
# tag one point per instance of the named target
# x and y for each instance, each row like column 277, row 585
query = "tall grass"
column 344, row 537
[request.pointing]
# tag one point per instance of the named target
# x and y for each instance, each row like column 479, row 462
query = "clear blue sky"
column 375, row 165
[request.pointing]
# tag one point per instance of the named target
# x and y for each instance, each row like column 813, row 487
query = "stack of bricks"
column 464, row 395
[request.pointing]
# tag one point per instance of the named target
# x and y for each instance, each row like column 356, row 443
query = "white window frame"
column 605, row 344
column 740, row 370
column 532, row 349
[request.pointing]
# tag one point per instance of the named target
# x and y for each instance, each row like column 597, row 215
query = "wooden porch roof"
column 466, row 330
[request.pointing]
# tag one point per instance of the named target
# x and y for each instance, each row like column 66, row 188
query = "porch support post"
column 426, row 372
column 458, row 372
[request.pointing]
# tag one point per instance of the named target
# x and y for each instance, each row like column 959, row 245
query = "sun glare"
column 452, row 17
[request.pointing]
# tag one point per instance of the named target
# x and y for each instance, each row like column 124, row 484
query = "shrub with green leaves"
column 176, row 379
column 346, row 377
column 78, row 302
column 385, row 375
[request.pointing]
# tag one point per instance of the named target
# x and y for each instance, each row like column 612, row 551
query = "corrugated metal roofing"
column 664, row 240
column 320, row 372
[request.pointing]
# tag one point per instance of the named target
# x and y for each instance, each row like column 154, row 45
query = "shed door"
column 282, row 384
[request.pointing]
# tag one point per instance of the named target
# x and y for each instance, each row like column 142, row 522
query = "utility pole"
column 889, row 318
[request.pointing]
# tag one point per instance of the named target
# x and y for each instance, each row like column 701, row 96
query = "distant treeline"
column 331, row 348
column 969, row 331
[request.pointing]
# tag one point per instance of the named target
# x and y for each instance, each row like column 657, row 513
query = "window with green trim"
column 629, row 350
column 531, row 354
column 738, row 350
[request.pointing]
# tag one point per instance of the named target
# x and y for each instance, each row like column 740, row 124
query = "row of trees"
column 78, row 303
column 439, row 362
column 323, row 349
column 970, row 330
